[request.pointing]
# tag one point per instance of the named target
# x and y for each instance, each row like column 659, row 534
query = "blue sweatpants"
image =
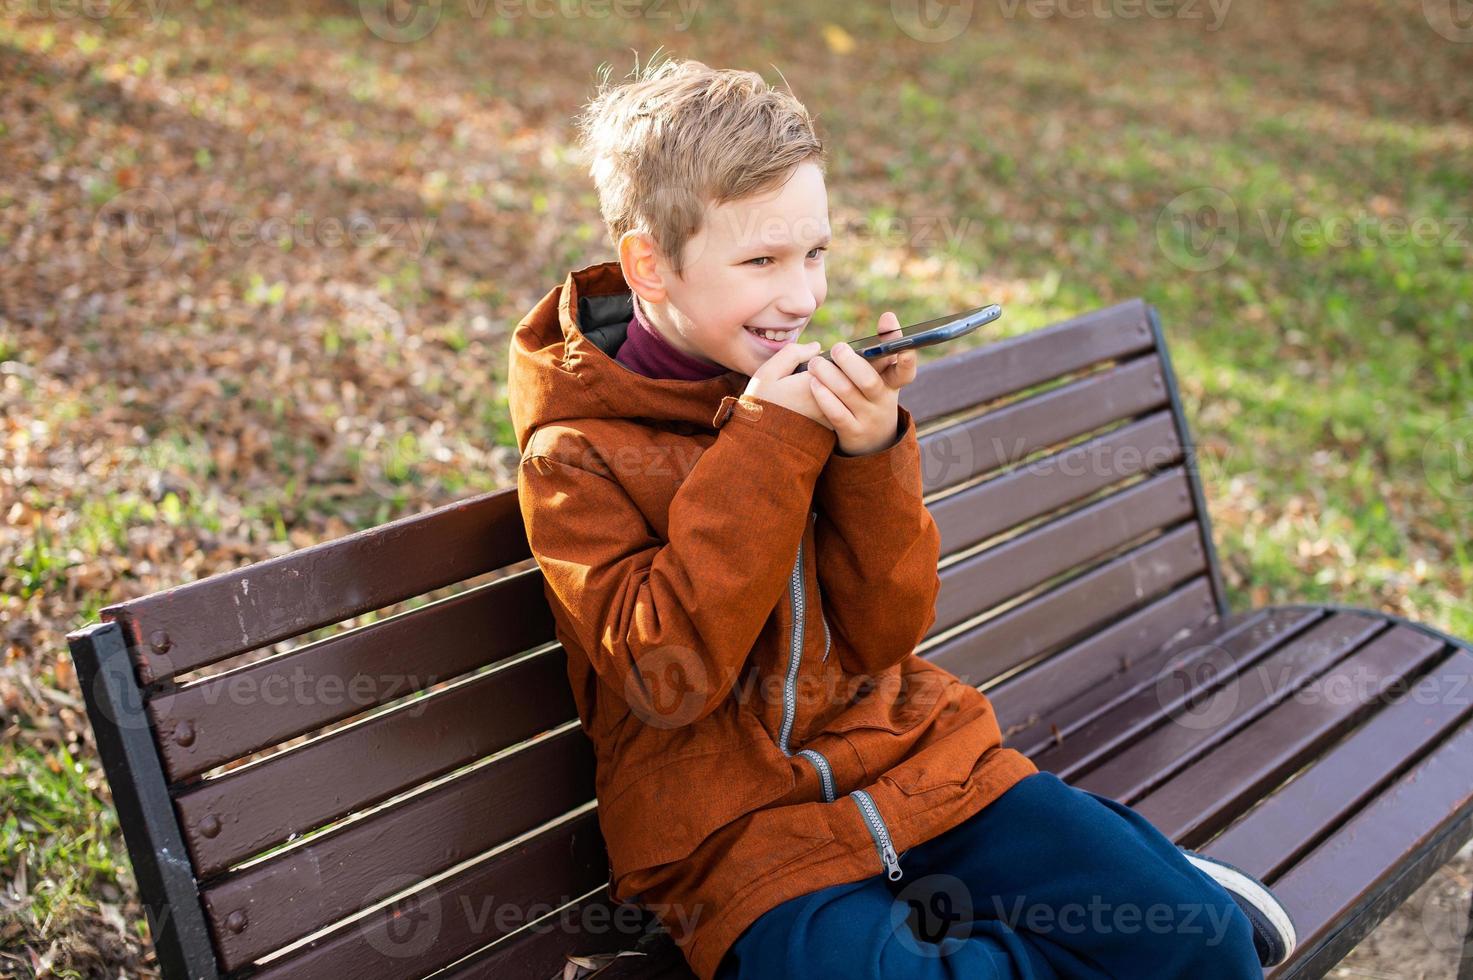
column 1047, row 881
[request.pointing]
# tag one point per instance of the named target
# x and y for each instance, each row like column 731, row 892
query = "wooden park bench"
column 413, row 796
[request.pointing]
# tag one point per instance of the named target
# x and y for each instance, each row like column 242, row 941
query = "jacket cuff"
column 794, row 428
column 901, row 461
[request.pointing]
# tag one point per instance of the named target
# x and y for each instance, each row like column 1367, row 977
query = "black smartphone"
column 919, row 335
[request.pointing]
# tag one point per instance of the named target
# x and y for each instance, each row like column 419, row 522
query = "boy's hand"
column 776, row 382
column 860, row 397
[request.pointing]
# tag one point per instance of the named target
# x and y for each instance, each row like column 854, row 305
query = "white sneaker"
column 1273, row 929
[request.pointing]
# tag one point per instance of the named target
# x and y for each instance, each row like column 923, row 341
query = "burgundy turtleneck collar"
column 645, row 352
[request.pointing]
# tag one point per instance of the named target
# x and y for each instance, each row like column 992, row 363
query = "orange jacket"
column 739, row 605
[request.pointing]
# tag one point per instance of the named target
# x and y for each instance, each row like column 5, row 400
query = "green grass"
column 69, row 841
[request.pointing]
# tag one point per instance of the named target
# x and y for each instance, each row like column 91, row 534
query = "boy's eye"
column 812, row 254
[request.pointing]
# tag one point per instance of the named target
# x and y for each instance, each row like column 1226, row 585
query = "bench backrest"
column 426, row 767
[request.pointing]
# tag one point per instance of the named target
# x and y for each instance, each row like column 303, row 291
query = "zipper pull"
column 892, row 863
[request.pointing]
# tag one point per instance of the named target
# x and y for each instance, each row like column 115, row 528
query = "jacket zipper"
column 867, row 808
column 818, row 598
column 825, row 772
column 877, row 830
column 795, row 651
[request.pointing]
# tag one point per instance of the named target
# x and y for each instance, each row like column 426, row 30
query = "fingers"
column 835, row 379
column 788, row 357
column 860, row 372
column 838, row 414
column 902, row 371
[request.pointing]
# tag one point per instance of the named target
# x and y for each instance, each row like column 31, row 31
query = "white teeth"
column 771, row 334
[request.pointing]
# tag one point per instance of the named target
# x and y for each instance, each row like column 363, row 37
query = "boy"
column 740, row 566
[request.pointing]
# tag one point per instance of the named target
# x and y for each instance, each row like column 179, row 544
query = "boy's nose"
column 798, row 300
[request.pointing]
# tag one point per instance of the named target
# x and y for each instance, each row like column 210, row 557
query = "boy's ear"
column 639, row 260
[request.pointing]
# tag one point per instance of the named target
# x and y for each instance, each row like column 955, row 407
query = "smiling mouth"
column 776, row 336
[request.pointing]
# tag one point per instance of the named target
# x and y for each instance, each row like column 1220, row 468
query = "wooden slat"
column 1028, row 703
column 458, row 915
column 1137, row 757
column 1075, row 687
column 956, row 453
column 294, row 894
column 977, row 513
column 966, row 378
column 1161, row 694
column 1220, row 786
column 1371, row 865
column 194, row 625
column 246, row 811
column 1342, row 780
column 1018, row 635
column 976, row 584
column 235, row 714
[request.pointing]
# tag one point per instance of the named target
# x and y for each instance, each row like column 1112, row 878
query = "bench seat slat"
column 356, row 767
column 1330, row 790
column 1158, row 699
column 1194, row 805
column 1017, row 635
column 291, row 895
column 1145, row 756
column 1376, row 860
column 221, row 719
column 976, row 446
column 1064, row 703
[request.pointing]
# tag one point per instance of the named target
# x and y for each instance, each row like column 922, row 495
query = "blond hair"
column 680, row 135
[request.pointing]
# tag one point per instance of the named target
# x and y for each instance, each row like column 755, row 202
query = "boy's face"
column 756, row 262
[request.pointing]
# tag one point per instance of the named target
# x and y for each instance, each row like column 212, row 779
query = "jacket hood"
column 562, row 363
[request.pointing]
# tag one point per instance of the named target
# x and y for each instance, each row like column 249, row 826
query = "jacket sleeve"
column 670, row 624
column 878, row 548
